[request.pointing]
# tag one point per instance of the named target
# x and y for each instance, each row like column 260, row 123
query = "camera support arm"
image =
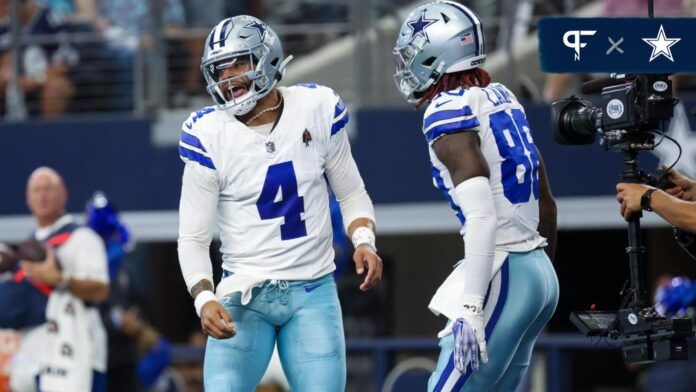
column 635, row 250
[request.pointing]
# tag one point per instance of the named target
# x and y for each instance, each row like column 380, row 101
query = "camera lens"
column 575, row 121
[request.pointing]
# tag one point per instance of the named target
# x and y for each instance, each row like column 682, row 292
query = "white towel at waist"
column 238, row 283
column 446, row 300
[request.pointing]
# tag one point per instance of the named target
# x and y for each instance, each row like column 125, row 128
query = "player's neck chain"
column 257, row 115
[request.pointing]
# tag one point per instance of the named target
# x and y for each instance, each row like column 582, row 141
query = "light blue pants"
column 303, row 317
column 521, row 299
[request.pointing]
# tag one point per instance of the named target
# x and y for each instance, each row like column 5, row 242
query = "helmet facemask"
column 250, row 77
column 408, row 84
column 242, row 40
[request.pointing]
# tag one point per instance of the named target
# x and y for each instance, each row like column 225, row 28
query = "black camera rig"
column 631, row 113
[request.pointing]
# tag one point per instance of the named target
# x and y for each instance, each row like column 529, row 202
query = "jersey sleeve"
column 340, row 116
column 197, row 208
column 90, row 260
column 337, row 111
column 191, row 147
column 451, row 112
column 346, row 182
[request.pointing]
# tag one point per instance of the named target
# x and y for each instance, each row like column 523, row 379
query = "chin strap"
column 281, row 68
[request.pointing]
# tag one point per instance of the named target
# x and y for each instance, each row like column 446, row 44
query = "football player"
column 260, row 159
column 500, row 296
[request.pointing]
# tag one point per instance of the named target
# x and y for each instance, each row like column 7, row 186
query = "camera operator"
column 676, row 205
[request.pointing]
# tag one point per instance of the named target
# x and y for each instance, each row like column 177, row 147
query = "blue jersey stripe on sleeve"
column 196, row 156
column 340, row 107
column 452, row 127
column 192, row 141
column 440, row 183
column 338, row 125
column 446, row 115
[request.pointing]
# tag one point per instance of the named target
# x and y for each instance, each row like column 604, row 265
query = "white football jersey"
column 508, row 147
column 273, row 201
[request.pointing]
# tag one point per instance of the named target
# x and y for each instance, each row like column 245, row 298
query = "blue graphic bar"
column 621, row 45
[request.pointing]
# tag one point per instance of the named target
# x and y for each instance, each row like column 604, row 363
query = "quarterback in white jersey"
column 260, row 160
column 500, row 296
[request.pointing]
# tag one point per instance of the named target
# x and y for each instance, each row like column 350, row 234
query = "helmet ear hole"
column 429, row 61
column 274, row 63
column 218, row 99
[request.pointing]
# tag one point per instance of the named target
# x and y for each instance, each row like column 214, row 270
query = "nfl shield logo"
column 270, row 147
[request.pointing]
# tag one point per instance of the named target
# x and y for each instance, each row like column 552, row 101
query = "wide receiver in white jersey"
column 260, row 160
column 505, row 290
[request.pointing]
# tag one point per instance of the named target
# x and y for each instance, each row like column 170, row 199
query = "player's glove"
column 469, row 338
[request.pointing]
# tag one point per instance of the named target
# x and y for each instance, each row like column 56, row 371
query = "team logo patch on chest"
column 270, row 147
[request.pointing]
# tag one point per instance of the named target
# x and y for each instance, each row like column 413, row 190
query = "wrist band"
column 363, row 236
column 645, row 199
column 203, row 298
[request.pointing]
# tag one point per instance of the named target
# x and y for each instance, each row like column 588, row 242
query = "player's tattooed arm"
column 201, row 286
column 547, row 210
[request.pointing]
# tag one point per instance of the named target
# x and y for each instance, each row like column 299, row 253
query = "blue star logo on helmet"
column 418, row 26
column 260, row 27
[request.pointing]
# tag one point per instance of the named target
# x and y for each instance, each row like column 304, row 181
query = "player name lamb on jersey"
column 508, row 147
column 273, row 202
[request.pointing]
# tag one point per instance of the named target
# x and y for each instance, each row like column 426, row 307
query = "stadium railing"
column 556, row 346
column 148, row 73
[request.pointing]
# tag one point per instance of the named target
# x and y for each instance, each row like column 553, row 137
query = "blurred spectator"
column 44, row 69
column 127, row 26
column 306, row 11
column 131, row 20
column 191, row 372
column 138, row 355
column 123, row 352
column 186, row 78
column 198, row 21
column 674, row 297
column 68, row 351
column 626, row 8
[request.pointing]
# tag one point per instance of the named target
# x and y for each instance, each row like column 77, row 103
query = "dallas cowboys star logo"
column 260, row 27
column 418, row 26
column 661, row 45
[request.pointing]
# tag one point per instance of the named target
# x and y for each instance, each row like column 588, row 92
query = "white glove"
column 469, row 338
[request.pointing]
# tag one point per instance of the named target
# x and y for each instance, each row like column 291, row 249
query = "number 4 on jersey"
column 282, row 177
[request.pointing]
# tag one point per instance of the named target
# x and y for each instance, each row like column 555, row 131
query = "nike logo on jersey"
column 309, row 289
column 188, row 125
column 438, row 104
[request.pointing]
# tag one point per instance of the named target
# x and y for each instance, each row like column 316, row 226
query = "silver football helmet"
column 436, row 38
column 244, row 42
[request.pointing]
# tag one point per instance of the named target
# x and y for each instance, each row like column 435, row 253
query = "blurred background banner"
column 618, row 45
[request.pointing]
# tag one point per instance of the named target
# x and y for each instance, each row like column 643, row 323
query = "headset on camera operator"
column 676, row 205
